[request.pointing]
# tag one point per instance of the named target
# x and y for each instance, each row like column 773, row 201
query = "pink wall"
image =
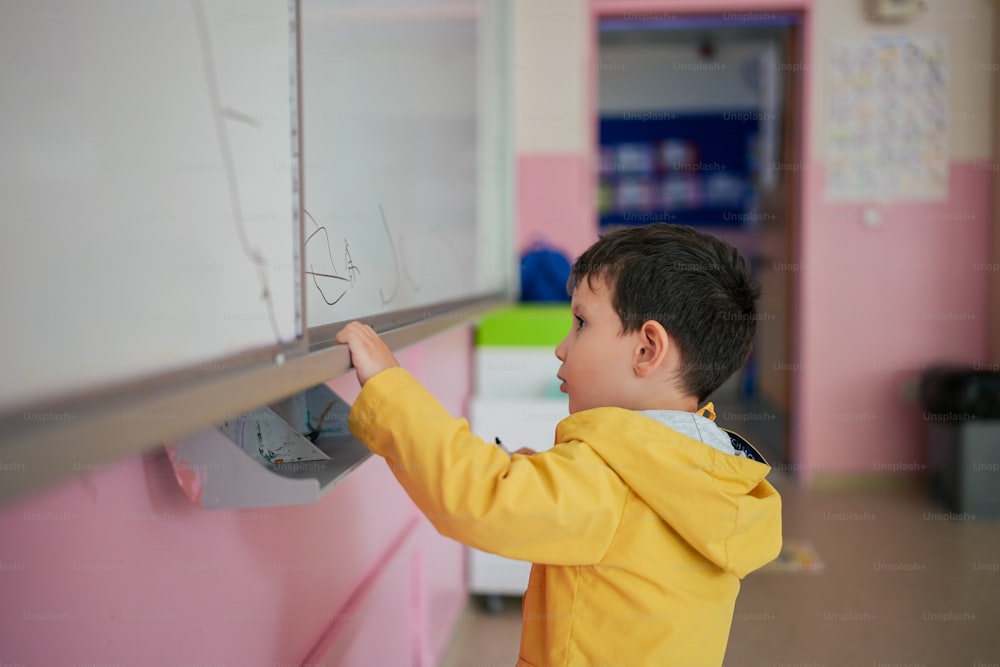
column 878, row 306
column 119, row 568
column 874, row 306
column 555, row 193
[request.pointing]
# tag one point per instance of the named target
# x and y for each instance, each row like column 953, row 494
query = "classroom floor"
column 879, row 578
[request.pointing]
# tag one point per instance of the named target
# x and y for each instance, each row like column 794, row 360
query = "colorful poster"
column 887, row 112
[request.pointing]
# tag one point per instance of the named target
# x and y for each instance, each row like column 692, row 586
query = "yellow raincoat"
column 639, row 535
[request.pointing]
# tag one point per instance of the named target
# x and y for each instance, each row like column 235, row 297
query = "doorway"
column 699, row 122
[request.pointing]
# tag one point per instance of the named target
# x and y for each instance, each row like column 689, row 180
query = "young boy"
column 642, row 519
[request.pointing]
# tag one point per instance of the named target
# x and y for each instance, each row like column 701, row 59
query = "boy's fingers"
column 344, row 335
column 353, row 331
column 369, row 353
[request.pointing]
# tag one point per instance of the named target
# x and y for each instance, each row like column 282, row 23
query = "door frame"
column 799, row 151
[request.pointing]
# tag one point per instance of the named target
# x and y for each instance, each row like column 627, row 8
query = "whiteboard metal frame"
column 138, row 417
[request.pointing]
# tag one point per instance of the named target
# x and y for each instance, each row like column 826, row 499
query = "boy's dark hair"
column 694, row 284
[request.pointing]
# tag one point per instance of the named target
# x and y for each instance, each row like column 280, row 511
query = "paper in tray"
column 266, row 437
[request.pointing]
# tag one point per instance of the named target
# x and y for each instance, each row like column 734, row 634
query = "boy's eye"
column 579, row 322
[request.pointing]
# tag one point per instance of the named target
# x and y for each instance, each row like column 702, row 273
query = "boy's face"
column 596, row 357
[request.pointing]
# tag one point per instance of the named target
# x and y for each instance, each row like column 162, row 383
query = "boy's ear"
column 654, row 347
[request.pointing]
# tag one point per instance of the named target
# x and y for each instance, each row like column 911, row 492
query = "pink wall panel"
column 555, row 201
column 442, row 593
column 878, row 306
column 122, row 567
column 378, row 627
column 118, row 567
column 446, row 368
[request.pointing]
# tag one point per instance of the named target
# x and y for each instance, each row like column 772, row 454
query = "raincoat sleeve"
column 561, row 506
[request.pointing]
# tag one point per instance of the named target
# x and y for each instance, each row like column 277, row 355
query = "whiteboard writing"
column 392, row 156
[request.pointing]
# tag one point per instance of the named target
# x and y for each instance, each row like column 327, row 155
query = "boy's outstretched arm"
column 369, row 354
column 471, row 490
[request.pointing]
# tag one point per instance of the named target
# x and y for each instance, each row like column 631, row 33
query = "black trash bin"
column 961, row 411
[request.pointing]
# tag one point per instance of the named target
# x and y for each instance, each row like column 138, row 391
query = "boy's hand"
column 369, row 354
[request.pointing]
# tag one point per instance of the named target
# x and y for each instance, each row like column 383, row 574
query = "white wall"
column 551, row 88
column 966, row 25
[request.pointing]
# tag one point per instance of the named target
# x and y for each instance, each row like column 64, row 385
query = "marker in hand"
column 527, row 451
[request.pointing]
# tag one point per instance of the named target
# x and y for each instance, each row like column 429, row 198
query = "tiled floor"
column 904, row 584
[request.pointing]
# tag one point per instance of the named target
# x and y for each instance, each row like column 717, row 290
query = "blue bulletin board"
column 694, row 169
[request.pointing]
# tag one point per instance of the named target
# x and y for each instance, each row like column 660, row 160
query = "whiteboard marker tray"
column 290, row 453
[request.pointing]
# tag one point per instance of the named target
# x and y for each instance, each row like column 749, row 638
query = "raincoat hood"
column 719, row 503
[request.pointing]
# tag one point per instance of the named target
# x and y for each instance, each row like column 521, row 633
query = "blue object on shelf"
column 544, row 273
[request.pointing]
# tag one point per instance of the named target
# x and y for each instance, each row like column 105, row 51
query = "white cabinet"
column 517, row 400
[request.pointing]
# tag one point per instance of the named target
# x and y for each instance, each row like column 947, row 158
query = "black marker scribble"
column 240, row 117
column 395, row 261
column 349, row 264
column 352, row 270
column 218, row 113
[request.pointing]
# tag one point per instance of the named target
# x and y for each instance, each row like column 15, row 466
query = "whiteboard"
column 148, row 190
column 155, row 233
column 406, row 152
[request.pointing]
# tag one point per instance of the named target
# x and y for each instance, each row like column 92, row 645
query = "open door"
column 638, row 78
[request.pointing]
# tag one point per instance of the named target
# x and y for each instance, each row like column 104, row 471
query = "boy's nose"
column 561, row 350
